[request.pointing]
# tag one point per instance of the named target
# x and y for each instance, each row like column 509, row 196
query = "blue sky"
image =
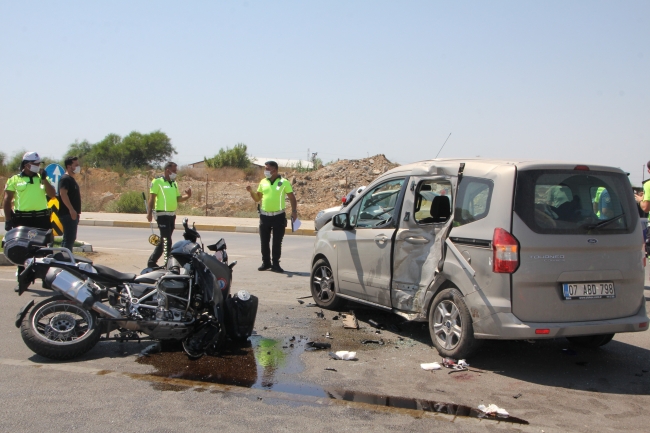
column 566, row 80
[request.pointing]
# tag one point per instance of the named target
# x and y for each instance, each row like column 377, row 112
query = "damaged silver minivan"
column 490, row 249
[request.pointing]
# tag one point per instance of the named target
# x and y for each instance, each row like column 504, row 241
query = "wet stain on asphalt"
column 261, row 363
column 269, row 364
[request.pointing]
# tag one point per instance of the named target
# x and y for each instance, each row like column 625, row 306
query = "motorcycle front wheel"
column 59, row 329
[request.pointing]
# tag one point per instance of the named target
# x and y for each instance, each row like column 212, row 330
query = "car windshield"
column 575, row 202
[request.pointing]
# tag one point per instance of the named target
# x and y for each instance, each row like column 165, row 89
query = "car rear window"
column 575, row 202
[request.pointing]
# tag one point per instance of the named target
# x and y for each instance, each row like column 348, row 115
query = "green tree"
column 235, row 157
column 80, row 150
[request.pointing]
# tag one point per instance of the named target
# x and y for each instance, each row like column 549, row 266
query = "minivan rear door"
column 580, row 246
column 419, row 242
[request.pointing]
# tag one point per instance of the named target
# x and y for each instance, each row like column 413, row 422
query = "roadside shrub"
column 235, row 157
column 128, row 202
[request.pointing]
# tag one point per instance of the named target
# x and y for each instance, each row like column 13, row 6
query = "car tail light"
column 344, row 199
column 643, row 325
column 505, row 248
column 581, row 167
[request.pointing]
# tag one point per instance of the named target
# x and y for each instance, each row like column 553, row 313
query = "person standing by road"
column 25, row 197
column 643, row 199
column 69, row 201
column 271, row 192
column 163, row 201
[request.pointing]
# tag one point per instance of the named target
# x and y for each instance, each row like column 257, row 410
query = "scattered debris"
column 350, row 321
column 343, row 355
column 493, row 409
column 379, row 342
column 151, row 349
column 304, row 297
column 293, row 338
column 320, row 314
column 265, row 328
column 375, row 324
column 327, row 335
column 431, row 366
column 331, row 369
column 377, row 331
column 335, row 318
column 460, row 365
column 517, row 396
column 311, row 305
column 301, row 302
column 315, row 345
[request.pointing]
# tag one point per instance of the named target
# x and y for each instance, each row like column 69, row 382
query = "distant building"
column 283, row 163
column 200, row 164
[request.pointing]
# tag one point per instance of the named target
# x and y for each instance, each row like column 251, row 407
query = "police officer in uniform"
column 163, row 201
column 27, row 193
column 271, row 192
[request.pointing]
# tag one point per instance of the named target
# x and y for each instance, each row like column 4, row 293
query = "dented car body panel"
column 424, row 227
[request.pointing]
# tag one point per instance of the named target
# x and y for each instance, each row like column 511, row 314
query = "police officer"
column 271, row 192
column 27, row 193
column 163, row 201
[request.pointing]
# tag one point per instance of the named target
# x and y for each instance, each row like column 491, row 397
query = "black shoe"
column 17, row 289
column 277, row 268
column 264, row 267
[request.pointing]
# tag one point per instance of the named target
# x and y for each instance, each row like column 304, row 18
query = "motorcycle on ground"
column 189, row 301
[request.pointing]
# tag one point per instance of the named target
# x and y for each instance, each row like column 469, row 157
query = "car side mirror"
column 341, row 221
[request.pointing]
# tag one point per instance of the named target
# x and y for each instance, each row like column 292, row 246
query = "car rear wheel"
column 323, row 286
column 450, row 325
column 591, row 340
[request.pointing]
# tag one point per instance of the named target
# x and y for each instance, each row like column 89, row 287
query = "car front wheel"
column 323, row 286
column 450, row 325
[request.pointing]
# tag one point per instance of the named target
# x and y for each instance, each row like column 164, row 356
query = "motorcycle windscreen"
column 419, row 247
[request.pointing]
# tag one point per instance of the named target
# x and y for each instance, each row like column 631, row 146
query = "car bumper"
column 505, row 326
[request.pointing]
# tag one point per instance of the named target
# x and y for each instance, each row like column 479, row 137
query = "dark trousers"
column 69, row 230
column 272, row 224
column 166, row 225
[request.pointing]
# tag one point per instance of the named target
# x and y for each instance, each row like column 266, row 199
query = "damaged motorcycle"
column 189, row 301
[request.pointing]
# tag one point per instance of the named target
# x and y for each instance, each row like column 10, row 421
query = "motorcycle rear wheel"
column 59, row 329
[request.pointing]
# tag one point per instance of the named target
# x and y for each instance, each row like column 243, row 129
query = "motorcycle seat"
column 107, row 272
column 150, row 277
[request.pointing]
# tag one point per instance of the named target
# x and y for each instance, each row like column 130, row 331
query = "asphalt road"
column 552, row 385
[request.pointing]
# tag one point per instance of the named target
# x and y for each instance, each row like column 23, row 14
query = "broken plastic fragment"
column 315, row 345
column 343, row 355
column 379, row 342
column 493, row 409
column 350, row 321
column 431, row 366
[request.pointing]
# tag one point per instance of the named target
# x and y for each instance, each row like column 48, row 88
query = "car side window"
column 433, row 202
column 472, row 200
column 376, row 207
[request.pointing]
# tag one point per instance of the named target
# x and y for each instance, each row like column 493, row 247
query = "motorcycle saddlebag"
column 21, row 243
column 241, row 310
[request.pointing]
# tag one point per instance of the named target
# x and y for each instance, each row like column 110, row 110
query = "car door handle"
column 418, row 240
column 381, row 239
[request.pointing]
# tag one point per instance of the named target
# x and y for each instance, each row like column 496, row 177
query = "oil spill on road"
column 261, row 363
column 419, row 404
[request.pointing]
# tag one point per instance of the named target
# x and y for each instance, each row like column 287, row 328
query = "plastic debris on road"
column 460, row 365
column 343, row 355
column 350, row 321
column 431, row 366
column 315, row 345
column 493, row 409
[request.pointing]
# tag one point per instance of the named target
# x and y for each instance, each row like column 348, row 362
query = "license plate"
column 591, row 290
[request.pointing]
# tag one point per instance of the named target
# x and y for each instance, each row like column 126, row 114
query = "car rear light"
column 542, row 331
column 343, row 199
column 581, row 167
column 505, row 248
column 643, row 325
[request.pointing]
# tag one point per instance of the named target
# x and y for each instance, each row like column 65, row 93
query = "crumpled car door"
column 419, row 245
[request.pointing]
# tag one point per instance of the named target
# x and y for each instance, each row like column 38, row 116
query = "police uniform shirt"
column 274, row 194
column 29, row 192
column 167, row 194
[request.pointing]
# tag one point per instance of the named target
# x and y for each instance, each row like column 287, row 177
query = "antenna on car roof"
column 443, row 145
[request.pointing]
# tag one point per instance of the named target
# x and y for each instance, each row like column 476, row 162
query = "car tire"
column 592, row 341
column 323, row 287
column 450, row 325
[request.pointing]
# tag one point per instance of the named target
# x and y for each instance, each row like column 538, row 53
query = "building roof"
column 294, row 163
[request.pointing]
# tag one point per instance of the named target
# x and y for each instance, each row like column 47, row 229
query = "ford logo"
column 592, row 241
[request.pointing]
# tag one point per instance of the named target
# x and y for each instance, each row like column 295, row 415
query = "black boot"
column 265, row 266
column 276, row 268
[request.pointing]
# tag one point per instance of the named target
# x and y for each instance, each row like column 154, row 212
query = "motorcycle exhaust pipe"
column 78, row 291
